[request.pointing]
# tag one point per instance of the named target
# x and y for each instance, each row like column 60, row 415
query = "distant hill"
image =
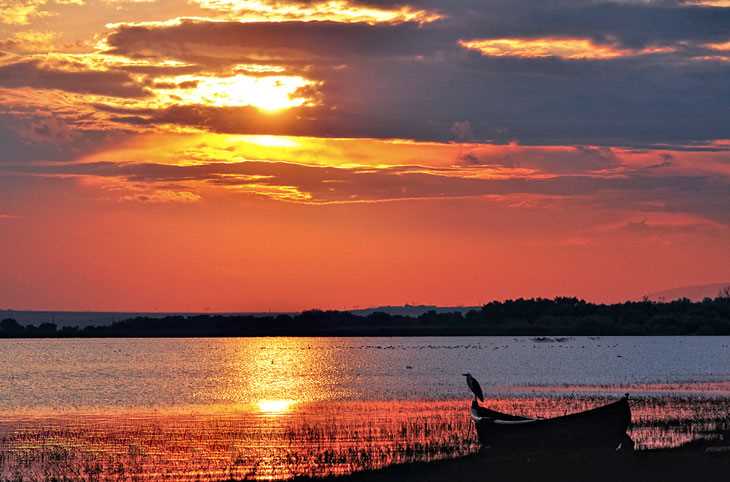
column 98, row 318
column 532, row 317
column 83, row 319
column 694, row 293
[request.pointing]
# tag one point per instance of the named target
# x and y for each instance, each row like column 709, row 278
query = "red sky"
column 229, row 155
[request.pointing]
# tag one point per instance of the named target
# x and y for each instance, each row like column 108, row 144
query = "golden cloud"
column 719, row 46
column 560, row 47
column 709, row 3
column 16, row 12
column 30, row 42
column 330, row 10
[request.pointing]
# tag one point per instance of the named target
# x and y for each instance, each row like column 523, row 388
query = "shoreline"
column 700, row 458
column 538, row 317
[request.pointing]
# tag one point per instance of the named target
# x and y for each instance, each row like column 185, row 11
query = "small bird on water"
column 474, row 386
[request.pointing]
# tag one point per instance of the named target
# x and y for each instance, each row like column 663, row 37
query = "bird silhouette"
column 474, row 386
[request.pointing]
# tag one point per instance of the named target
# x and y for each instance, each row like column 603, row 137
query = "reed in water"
column 313, row 441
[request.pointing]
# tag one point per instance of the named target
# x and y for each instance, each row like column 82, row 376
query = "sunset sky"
column 232, row 155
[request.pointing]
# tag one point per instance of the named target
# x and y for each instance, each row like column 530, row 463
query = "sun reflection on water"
column 275, row 407
column 274, row 374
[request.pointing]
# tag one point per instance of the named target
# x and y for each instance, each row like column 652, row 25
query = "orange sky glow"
column 234, row 155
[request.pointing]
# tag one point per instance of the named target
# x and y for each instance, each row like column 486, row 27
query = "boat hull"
column 602, row 427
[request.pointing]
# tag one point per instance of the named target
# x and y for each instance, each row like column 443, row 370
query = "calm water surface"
column 260, row 408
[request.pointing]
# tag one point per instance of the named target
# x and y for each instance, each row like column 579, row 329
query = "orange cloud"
column 15, row 12
column 200, row 147
column 465, row 159
column 709, row 3
column 121, row 189
column 719, row 46
column 565, row 48
column 30, row 41
column 722, row 50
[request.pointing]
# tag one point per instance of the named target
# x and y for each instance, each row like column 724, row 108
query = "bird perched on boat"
column 474, row 386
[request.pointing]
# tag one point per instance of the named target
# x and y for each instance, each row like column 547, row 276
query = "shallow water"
column 126, row 409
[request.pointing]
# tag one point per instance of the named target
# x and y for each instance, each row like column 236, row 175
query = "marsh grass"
column 315, row 439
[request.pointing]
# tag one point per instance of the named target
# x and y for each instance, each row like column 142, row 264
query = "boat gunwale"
column 527, row 420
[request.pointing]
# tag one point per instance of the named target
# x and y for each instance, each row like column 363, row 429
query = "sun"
column 270, row 93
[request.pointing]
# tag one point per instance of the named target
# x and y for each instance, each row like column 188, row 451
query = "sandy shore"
column 698, row 462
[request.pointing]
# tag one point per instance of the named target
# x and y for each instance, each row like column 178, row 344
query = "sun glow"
column 275, row 406
column 268, row 93
column 271, row 141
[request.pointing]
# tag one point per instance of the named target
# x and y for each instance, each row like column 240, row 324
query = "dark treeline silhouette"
column 559, row 316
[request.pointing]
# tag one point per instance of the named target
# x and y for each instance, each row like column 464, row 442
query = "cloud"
column 705, row 197
column 462, row 130
column 34, row 73
column 709, row 3
column 622, row 23
column 559, row 159
column 562, row 73
column 51, row 126
column 333, row 10
column 643, row 226
column 564, row 48
column 19, row 12
column 127, row 191
column 416, row 81
column 664, row 225
column 221, row 42
column 30, row 41
column 23, row 12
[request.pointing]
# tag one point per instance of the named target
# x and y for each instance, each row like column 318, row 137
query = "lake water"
column 124, row 409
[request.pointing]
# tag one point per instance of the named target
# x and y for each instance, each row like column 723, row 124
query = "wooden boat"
column 601, row 427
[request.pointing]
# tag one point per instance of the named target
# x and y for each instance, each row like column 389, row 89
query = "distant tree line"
column 559, row 316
